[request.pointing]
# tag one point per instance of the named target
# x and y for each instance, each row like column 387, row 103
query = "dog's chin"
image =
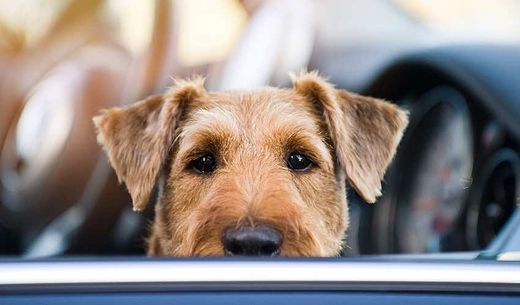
column 214, row 248
column 217, row 250
column 223, row 253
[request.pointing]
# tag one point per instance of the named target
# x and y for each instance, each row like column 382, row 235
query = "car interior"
column 445, row 231
column 452, row 187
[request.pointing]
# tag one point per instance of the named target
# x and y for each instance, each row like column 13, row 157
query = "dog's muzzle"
column 252, row 241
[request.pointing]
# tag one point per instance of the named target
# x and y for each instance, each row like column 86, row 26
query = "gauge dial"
column 438, row 172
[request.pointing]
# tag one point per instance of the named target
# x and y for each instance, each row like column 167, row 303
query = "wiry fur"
column 251, row 133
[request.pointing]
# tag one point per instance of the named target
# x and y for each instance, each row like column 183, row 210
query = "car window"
column 428, row 166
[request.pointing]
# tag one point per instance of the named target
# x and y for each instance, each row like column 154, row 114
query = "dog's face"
column 253, row 159
column 251, row 172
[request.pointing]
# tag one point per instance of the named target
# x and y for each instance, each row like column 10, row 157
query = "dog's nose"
column 249, row 241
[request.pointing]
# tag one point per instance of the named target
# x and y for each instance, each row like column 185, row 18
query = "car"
column 445, row 231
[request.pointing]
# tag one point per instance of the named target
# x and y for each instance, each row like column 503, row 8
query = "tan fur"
column 365, row 131
column 251, row 133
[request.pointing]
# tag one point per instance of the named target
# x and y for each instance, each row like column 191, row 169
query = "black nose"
column 248, row 241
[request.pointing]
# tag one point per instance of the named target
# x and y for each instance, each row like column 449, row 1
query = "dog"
column 251, row 173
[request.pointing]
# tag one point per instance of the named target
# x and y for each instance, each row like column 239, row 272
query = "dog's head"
column 251, row 172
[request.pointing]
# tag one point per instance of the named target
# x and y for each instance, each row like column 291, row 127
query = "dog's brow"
column 206, row 130
column 214, row 119
column 310, row 144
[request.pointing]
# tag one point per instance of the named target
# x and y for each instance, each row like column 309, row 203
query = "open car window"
column 446, row 224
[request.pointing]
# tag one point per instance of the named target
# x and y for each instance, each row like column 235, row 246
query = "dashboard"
column 456, row 178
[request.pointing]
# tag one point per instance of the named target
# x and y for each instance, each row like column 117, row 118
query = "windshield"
column 496, row 21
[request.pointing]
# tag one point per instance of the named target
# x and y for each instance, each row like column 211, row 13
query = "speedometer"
column 438, row 170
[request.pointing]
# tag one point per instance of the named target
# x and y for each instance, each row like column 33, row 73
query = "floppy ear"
column 137, row 138
column 365, row 131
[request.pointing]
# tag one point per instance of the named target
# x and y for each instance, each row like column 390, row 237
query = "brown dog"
column 251, row 172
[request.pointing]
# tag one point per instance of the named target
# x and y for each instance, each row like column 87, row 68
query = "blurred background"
column 455, row 64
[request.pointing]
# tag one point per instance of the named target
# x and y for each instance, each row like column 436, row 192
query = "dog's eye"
column 205, row 164
column 298, row 162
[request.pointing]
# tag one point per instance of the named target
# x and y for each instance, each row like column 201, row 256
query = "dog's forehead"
column 252, row 112
column 260, row 103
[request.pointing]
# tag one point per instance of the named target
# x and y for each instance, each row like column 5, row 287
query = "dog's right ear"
column 137, row 138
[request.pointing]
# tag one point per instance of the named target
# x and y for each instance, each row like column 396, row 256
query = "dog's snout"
column 249, row 241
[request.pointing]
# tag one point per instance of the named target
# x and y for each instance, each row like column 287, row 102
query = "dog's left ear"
column 365, row 131
column 138, row 137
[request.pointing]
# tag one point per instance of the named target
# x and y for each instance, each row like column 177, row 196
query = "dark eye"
column 205, row 164
column 298, row 162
